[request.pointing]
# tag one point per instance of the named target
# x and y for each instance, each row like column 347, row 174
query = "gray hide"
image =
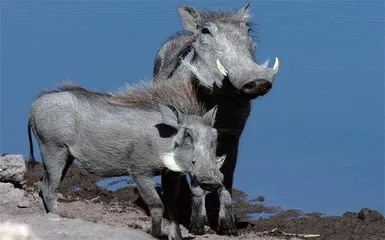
column 216, row 53
column 140, row 131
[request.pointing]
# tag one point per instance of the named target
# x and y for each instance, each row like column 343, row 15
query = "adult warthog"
column 216, row 54
column 141, row 131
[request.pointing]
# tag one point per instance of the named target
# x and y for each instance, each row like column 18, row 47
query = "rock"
column 46, row 227
column 9, row 194
column 260, row 198
column 24, row 203
column 61, row 197
column 367, row 214
column 12, row 168
column 35, row 196
column 11, row 231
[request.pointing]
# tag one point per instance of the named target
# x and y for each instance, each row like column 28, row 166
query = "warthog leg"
column 228, row 144
column 198, row 214
column 226, row 217
column 148, row 192
column 56, row 161
column 170, row 185
column 226, row 222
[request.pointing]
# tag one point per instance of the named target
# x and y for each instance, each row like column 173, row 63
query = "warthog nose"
column 257, row 87
column 210, row 185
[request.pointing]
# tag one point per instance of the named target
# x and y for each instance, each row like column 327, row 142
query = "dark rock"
column 370, row 215
column 260, row 198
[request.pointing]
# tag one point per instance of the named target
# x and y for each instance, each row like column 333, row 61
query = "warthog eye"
column 205, row 31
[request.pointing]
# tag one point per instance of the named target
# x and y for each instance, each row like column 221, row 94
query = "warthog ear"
column 209, row 117
column 243, row 13
column 190, row 18
column 170, row 115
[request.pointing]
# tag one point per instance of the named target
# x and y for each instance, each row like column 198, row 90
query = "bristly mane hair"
column 216, row 17
column 173, row 92
column 143, row 95
column 223, row 17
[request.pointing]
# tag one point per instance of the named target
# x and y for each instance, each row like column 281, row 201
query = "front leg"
column 230, row 122
column 171, row 185
column 198, row 214
column 148, row 192
column 226, row 219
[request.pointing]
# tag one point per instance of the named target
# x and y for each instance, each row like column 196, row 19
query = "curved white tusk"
column 276, row 65
column 221, row 160
column 221, row 68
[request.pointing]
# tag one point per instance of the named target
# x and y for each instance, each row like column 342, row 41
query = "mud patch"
column 367, row 224
column 80, row 184
column 254, row 218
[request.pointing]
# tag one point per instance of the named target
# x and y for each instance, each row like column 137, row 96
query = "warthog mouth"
column 210, row 186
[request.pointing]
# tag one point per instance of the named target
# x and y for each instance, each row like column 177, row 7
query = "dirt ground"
column 124, row 208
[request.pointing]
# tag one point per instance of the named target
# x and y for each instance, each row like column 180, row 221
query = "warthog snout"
column 211, row 179
column 211, row 185
column 247, row 76
column 262, row 80
column 257, row 87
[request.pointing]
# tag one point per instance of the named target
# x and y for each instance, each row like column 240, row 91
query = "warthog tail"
column 31, row 160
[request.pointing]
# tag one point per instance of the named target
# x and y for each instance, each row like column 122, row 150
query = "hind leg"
column 56, row 161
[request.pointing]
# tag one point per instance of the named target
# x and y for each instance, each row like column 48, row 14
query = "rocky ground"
column 91, row 212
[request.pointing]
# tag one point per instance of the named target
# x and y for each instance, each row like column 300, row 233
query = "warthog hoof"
column 227, row 227
column 197, row 229
column 197, row 224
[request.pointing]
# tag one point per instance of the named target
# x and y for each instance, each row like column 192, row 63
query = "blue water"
column 258, row 216
column 315, row 142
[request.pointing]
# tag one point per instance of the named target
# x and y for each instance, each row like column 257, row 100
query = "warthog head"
column 223, row 51
column 193, row 146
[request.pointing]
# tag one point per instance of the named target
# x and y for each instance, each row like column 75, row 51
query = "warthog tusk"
column 170, row 163
column 221, row 160
column 276, row 65
column 221, row 68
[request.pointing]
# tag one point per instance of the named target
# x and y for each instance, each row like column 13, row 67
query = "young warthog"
column 141, row 131
column 216, row 53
